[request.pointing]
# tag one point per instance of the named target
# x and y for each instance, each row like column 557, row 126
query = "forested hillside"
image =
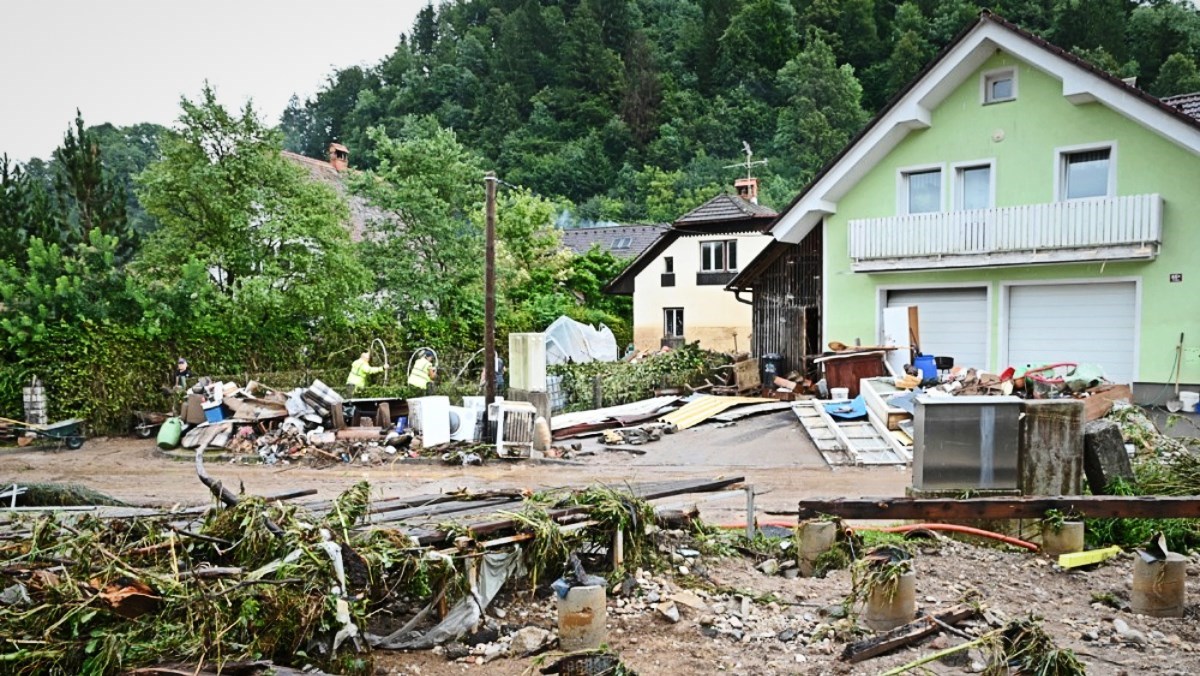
column 630, row 108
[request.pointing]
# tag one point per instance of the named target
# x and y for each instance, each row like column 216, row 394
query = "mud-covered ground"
column 782, row 628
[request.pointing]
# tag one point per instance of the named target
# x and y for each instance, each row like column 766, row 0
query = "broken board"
column 859, row 442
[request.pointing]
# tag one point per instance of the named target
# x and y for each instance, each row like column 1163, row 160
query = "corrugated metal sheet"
column 696, row 412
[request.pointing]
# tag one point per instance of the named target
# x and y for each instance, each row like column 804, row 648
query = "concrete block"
column 1050, row 455
column 1104, row 456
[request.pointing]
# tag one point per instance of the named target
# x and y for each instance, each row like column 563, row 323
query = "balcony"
column 1103, row 229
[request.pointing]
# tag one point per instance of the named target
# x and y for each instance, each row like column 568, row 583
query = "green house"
column 1034, row 208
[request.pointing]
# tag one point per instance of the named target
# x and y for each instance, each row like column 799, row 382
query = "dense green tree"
column 1178, row 75
column 88, row 197
column 823, row 108
column 273, row 240
column 1160, row 29
column 1091, row 24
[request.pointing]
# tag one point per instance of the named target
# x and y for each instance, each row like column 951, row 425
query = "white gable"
column 914, row 111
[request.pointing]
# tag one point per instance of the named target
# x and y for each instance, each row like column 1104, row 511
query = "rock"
column 1126, row 634
column 653, row 597
column 835, row 612
column 769, row 567
column 791, row 573
column 691, row 600
column 787, row 635
column 689, row 553
column 1104, row 456
column 735, row 622
column 529, row 640
column 669, row 610
column 719, row 608
column 499, row 612
column 683, row 570
column 709, row 632
column 456, row 650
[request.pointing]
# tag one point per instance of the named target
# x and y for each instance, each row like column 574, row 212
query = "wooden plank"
column 956, row 509
column 907, row 634
column 901, row 451
column 1101, row 401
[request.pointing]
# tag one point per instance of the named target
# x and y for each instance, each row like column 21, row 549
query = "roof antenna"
column 747, row 188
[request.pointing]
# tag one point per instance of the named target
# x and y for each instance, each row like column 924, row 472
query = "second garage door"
column 1082, row 323
column 953, row 322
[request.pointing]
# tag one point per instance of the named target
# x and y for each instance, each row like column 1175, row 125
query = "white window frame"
column 988, row 77
column 902, row 175
column 621, row 243
column 1060, row 168
column 956, row 170
column 666, row 324
column 724, row 256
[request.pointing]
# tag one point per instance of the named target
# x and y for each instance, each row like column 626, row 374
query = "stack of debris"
column 313, row 425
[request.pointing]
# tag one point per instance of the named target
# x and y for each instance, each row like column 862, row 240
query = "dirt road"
column 771, row 451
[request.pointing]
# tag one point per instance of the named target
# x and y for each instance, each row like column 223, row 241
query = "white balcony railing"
column 1113, row 228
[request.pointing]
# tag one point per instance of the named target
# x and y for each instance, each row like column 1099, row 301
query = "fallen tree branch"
column 223, row 494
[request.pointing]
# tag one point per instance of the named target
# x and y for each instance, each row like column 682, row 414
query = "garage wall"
column 953, row 322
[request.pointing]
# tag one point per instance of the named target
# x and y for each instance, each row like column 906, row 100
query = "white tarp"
column 567, row 339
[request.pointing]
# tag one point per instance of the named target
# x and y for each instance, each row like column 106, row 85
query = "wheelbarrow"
column 146, row 422
column 68, row 432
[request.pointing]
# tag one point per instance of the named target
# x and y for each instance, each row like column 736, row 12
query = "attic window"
column 1000, row 86
column 622, row 242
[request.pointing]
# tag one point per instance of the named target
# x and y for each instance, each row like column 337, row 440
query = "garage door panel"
column 1083, row 323
column 953, row 321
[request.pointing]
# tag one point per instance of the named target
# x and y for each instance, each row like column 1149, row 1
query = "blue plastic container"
column 214, row 414
column 925, row 364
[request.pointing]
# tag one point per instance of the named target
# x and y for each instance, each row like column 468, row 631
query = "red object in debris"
column 955, row 528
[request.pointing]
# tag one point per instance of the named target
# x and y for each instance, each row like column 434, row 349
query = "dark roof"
column 745, row 279
column 986, row 16
column 720, row 215
column 725, row 207
column 634, row 239
column 1188, row 104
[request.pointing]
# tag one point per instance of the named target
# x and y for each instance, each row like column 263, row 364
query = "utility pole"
column 489, row 290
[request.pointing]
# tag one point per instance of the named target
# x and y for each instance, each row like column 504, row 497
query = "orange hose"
column 955, row 529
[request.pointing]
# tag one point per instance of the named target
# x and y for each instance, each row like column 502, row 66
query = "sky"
column 130, row 61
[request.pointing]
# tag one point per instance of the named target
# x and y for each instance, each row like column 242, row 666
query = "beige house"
column 678, row 284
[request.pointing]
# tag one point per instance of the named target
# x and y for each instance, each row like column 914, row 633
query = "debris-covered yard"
column 336, row 579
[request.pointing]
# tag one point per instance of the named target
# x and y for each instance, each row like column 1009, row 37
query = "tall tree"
column 823, row 108
column 273, row 239
column 1178, row 75
column 88, row 197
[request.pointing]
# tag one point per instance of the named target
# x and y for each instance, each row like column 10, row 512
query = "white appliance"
column 464, row 423
column 430, row 418
column 513, row 422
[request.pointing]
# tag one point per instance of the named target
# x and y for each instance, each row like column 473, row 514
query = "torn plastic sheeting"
column 494, row 570
column 569, row 340
column 645, row 407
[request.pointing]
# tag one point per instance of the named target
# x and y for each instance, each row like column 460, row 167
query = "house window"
column 922, row 191
column 1000, row 85
column 973, row 187
column 718, row 256
column 1087, row 173
column 621, row 243
column 669, row 264
column 673, row 322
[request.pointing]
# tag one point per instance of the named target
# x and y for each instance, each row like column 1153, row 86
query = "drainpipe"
column 737, row 295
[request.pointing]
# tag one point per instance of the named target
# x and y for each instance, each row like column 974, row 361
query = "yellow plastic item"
column 1077, row 559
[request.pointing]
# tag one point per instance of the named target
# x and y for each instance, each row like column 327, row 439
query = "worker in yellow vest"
column 359, row 370
column 422, row 373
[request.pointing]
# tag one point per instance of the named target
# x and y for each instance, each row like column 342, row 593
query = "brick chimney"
column 747, row 189
column 339, row 156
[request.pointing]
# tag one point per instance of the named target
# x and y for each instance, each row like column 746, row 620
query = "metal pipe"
column 382, row 348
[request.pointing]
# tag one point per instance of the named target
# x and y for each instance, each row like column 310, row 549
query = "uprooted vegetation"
column 622, row 382
column 256, row 581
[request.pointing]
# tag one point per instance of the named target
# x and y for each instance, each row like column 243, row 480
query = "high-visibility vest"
column 359, row 371
column 421, row 373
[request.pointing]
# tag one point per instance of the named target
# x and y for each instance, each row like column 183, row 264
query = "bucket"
column 1189, row 400
column 582, row 616
column 170, row 433
column 1066, row 540
column 214, row 413
column 890, row 608
column 837, row 393
column 1159, row 588
column 927, row 365
column 816, row 538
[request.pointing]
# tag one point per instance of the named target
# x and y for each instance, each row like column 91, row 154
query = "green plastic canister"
column 169, row 434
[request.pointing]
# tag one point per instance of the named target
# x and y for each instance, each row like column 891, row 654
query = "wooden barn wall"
column 787, row 302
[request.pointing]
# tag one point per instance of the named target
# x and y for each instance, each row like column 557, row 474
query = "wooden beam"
column 907, row 634
column 957, row 509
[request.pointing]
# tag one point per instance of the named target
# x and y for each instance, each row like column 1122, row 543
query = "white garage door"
column 953, row 322
column 1082, row 323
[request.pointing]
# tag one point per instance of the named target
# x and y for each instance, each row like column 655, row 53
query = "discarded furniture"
column 845, row 369
column 965, row 443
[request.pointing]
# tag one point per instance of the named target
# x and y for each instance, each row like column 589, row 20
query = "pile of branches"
column 249, row 582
